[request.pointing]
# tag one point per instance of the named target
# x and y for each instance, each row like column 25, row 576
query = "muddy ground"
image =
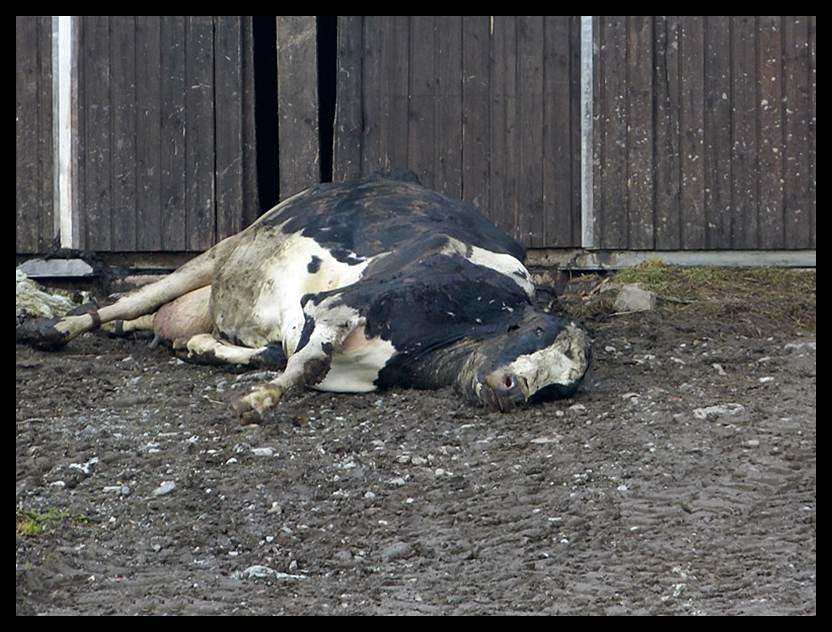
column 681, row 479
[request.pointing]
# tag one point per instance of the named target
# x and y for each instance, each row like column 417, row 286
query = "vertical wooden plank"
column 27, row 78
column 530, row 126
column 173, row 133
column 448, row 104
column 251, row 191
column 799, row 133
column 96, row 164
column 372, row 98
column 349, row 128
column 612, row 126
column 769, row 104
column 34, row 177
column 668, row 112
column 297, row 98
column 45, row 140
column 641, row 203
column 575, row 127
column 718, row 167
column 423, row 90
column 744, row 132
column 475, row 119
column 148, row 138
column 123, row 70
column 228, row 70
column 693, row 151
column 200, row 134
column 510, row 131
column 558, row 217
column 503, row 120
column 498, row 211
column 394, row 91
column 811, row 190
column 27, row 194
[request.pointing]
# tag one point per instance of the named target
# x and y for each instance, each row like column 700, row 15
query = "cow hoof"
column 271, row 358
column 250, row 408
column 247, row 416
column 41, row 334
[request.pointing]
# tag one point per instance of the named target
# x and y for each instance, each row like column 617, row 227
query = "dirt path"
column 681, row 479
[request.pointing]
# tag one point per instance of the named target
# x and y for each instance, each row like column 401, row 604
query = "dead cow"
column 360, row 285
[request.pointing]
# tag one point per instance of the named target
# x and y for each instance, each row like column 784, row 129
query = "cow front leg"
column 308, row 367
column 331, row 325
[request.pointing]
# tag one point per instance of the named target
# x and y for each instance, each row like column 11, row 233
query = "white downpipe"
column 63, row 102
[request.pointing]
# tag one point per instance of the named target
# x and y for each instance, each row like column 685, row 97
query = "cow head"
column 541, row 357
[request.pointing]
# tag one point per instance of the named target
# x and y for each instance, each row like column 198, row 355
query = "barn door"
column 484, row 108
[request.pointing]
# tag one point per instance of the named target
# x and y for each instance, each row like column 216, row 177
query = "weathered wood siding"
column 705, row 133
column 166, row 132
column 165, row 150
column 297, row 104
column 704, row 127
column 481, row 108
column 34, row 189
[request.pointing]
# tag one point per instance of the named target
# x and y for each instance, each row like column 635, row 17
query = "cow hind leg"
column 205, row 349
column 127, row 327
column 54, row 333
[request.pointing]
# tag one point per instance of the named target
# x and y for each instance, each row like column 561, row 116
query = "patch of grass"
column 663, row 278
column 32, row 524
column 760, row 300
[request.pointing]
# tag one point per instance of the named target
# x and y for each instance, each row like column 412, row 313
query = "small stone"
column 632, row 298
column 165, row 488
column 396, row 551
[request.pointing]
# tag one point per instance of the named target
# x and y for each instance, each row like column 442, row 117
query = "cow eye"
column 538, row 331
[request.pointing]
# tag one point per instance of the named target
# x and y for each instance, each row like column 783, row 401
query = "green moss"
column 31, row 523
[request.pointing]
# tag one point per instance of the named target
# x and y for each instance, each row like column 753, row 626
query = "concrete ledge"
column 41, row 268
column 586, row 260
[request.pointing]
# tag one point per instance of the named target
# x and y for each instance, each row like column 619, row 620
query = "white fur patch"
column 498, row 261
column 356, row 367
column 286, row 279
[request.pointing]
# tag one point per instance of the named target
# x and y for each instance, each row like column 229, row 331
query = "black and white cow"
column 360, row 285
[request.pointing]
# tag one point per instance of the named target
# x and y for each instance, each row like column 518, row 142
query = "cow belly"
column 355, row 368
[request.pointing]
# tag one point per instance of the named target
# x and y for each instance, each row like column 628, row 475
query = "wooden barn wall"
column 166, row 134
column 705, row 133
column 33, row 129
column 704, row 127
column 481, row 108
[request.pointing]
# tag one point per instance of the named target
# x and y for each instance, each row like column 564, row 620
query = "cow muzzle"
column 503, row 392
